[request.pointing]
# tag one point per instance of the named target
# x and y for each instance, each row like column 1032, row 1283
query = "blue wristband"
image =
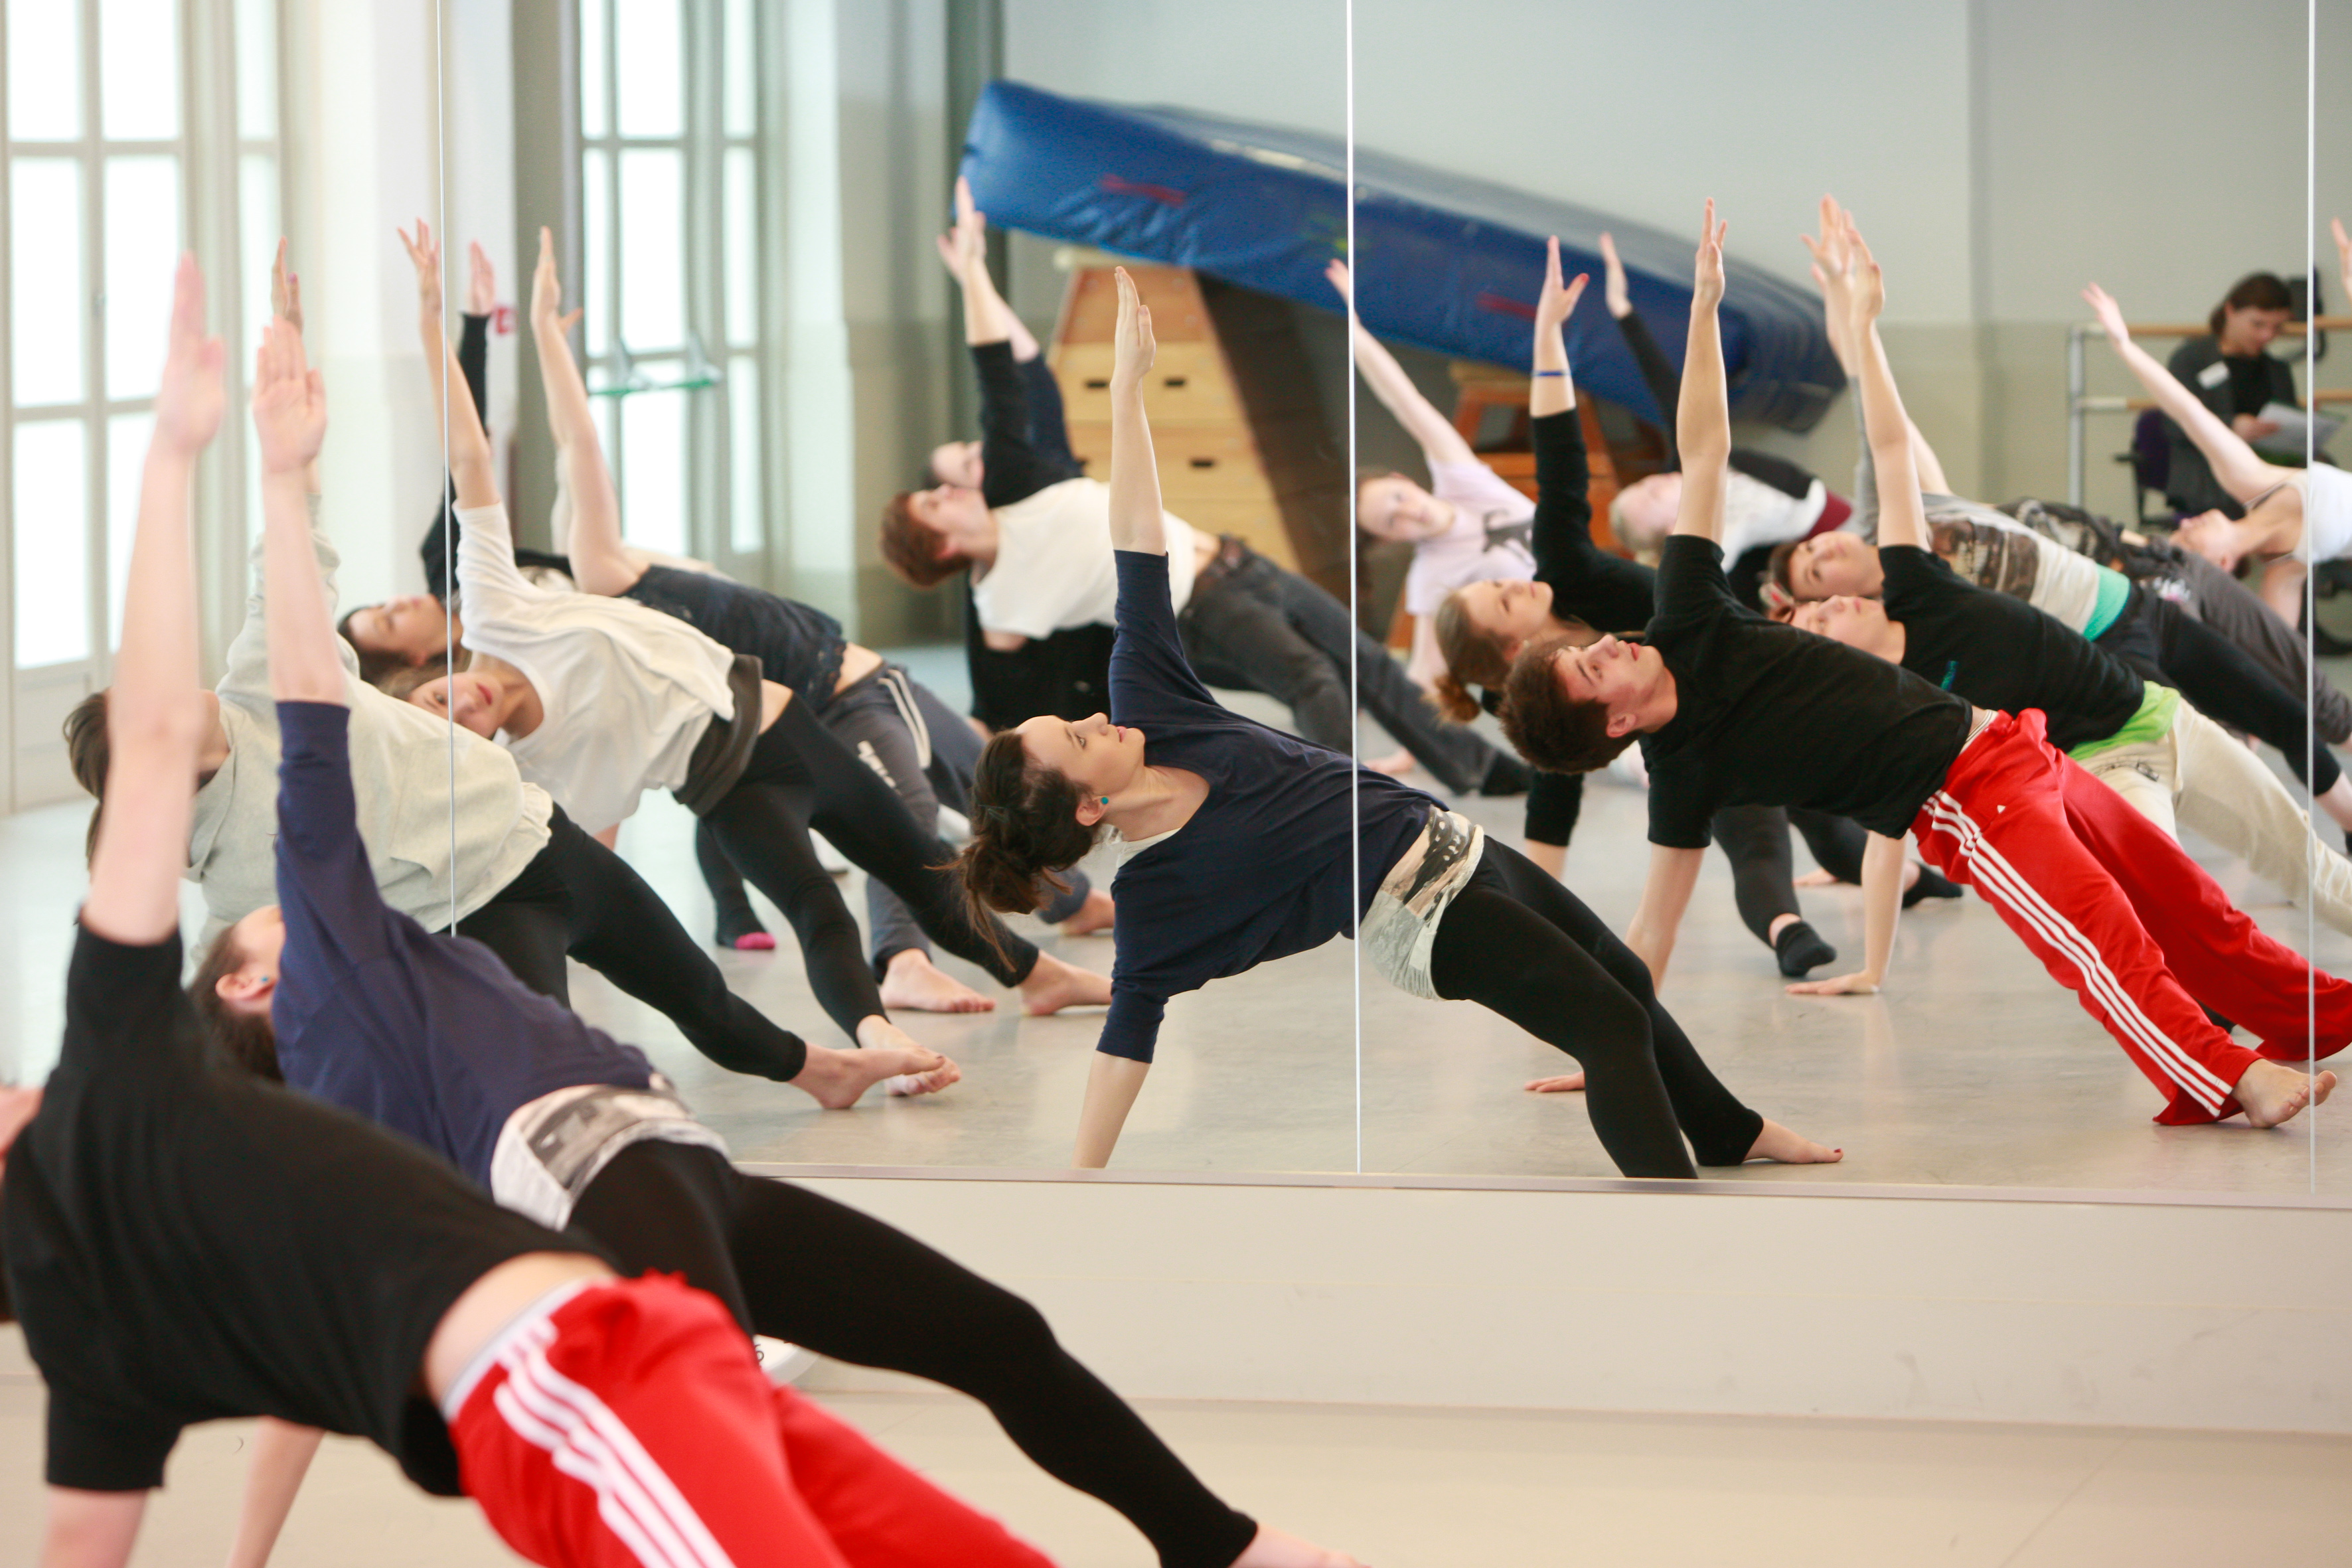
column 1551, row 373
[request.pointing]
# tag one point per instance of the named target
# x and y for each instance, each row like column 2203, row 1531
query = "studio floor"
column 1972, row 1069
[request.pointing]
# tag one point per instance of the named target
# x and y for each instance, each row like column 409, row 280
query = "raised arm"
column 600, row 563
column 1440, row 441
column 289, row 419
column 1902, row 515
column 469, row 446
column 1551, row 391
column 987, row 319
column 1658, row 373
column 286, row 304
column 2243, row 473
column 1703, row 419
column 1135, row 512
column 158, row 717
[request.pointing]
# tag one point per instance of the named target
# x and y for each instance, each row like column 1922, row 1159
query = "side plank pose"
column 1238, row 839
column 564, row 1125
column 1034, row 538
column 184, row 1245
column 1728, row 707
column 600, row 699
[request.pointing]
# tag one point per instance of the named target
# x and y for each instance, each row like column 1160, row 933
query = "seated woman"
column 568, row 1127
column 1239, row 841
column 600, row 699
column 2236, row 378
column 1034, row 539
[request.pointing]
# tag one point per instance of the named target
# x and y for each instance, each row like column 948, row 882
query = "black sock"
column 1800, row 948
column 1932, row 884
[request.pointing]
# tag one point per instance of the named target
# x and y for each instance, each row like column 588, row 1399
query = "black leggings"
column 1755, row 839
column 801, row 776
column 1516, row 941
column 803, row 1268
column 577, row 897
column 2229, row 685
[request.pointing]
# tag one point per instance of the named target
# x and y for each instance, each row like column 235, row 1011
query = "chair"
column 2151, row 465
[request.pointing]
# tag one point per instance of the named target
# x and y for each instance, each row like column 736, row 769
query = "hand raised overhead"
column 290, row 403
column 424, row 254
column 968, row 240
column 1868, row 288
column 1832, row 258
column 285, row 289
column 2111, row 315
column 1614, row 291
column 1341, row 279
column 481, row 281
column 1134, row 347
column 1557, row 301
column 188, row 405
column 1706, row 280
column 547, row 292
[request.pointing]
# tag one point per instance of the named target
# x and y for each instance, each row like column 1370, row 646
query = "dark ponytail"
column 1024, row 830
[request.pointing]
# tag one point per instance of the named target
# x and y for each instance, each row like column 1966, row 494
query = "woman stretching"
column 600, row 699
column 1239, row 840
column 566, row 1126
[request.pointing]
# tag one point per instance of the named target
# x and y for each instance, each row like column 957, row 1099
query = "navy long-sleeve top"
column 428, row 1036
column 1261, row 870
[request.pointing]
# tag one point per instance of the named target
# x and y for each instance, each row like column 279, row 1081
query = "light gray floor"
column 1972, row 1069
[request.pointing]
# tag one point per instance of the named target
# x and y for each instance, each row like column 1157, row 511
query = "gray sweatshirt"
column 401, row 762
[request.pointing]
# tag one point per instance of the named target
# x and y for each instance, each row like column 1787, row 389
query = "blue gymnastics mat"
column 1448, row 264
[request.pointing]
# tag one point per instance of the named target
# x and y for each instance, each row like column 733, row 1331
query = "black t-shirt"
column 186, row 1244
column 1769, row 715
column 2002, row 653
column 797, row 645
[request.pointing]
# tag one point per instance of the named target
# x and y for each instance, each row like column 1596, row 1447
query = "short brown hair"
column 246, row 1042
column 1550, row 732
column 89, row 754
column 911, row 547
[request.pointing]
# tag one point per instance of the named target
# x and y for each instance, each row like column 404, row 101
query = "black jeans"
column 1262, row 628
column 803, row 1268
column 799, row 776
column 1516, row 942
column 577, row 897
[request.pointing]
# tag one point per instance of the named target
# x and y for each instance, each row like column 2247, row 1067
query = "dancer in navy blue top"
column 1239, row 839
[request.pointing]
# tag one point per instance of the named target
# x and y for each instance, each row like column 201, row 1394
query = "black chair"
column 2151, row 466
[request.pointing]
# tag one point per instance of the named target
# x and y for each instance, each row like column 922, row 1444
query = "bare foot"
column 2273, row 1093
column 1094, row 915
column 1566, row 1083
column 1053, row 985
column 1396, row 764
column 1816, row 878
column 1777, row 1142
column 1270, row 1548
column 914, row 982
column 932, row 1082
column 835, row 1080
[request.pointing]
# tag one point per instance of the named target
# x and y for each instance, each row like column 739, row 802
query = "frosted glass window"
column 52, row 528
column 257, row 69
column 746, row 498
column 592, row 67
column 647, row 49
column 742, row 57
column 127, row 436
column 142, row 248
column 652, row 465
column 653, row 251
column 138, row 70
column 44, row 70
column 596, row 288
column 257, row 233
column 47, row 300
column 742, row 247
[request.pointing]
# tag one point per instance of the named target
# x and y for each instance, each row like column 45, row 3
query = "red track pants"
column 2121, row 916
column 632, row 1426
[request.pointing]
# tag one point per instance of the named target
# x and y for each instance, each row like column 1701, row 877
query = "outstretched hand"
column 285, row 289
column 546, row 287
column 1833, row 259
column 1707, row 282
column 188, row 405
column 1868, row 284
column 1557, row 301
column 968, row 241
column 1614, row 291
column 1341, row 279
column 424, row 254
column 1134, row 347
column 481, row 281
column 1855, row 984
column 290, row 403
column 2111, row 315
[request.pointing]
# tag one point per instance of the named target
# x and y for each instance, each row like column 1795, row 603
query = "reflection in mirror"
column 1965, row 1061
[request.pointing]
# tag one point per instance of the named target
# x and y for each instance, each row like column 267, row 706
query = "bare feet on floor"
column 913, row 983
column 1566, row 1083
column 835, row 1080
column 1053, row 985
column 1270, row 1548
column 1094, row 915
column 1777, row 1142
column 1396, row 764
column 1815, row 879
column 2273, row 1093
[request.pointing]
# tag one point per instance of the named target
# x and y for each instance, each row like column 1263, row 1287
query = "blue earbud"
column 1104, row 798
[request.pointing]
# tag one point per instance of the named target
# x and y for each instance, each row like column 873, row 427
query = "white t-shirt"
column 2327, row 513
column 1488, row 539
column 1756, row 513
column 626, row 690
column 1054, row 569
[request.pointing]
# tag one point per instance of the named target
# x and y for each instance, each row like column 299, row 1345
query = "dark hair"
column 1473, row 657
column 2255, row 291
column 377, row 665
column 1550, row 732
column 1024, row 829
column 245, row 1041
column 403, row 680
column 89, row 754
column 911, row 547
column 1779, row 569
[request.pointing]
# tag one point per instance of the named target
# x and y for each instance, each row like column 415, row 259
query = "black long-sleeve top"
column 1604, row 591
